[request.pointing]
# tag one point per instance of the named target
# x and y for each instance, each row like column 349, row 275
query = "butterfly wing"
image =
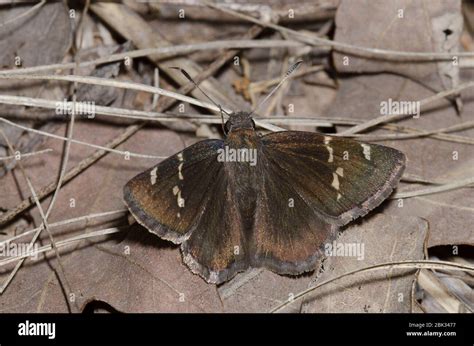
column 169, row 198
column 216, row 250
column 311, row 185
column 187, row 199
column 339, row 177
column 288, row 235
column 306, row 186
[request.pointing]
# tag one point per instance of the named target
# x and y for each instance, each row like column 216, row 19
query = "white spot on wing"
column 335, row 181
column 180, row 157
column 329, row 148
column 180, row 200
column 153, row 176
column 180, row 173
column 366, row 151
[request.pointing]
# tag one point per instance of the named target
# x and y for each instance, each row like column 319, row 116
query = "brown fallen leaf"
column 384, row 239
column 41, row 38
column 259, row 290
column 132, row 272
column 402, row 25
column 22, row 38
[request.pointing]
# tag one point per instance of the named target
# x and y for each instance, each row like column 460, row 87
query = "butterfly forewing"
column 169, row 199
column 339, row 178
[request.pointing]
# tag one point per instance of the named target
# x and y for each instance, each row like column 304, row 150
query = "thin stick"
column 156, row 84
column 24, row 14
column 409, row 264
column 62, row 243
column 435, row 189
column 164, row 53
column 66, row 242
column 22, row 155
column 457, row 127
column 47, row 134
column 389, row 118
column 116, row 84
column 65, row 222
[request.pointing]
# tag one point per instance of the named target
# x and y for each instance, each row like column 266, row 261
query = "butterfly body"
column 269, row 201
column 243, row 175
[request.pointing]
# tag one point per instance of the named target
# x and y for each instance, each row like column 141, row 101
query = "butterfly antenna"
column 287, row 75
column 188, row 77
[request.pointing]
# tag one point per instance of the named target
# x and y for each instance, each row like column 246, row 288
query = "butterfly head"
column 239, row 121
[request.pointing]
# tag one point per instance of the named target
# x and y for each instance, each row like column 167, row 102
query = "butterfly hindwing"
column 288, row 235
column 216, row 249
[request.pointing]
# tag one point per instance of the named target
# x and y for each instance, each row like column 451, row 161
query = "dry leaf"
column 384, row 239
column 402, row 25
column 41, row 38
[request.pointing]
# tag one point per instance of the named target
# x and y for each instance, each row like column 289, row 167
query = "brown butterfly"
column 270, row 201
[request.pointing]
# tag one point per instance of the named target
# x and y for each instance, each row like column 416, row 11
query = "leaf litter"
column 133, row 271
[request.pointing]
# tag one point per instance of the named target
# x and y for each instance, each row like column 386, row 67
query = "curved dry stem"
column 410, row 264
column 47, row 134
column 22, row 155
column 24, row 14
column 65, row 222
column 116, row 84
column 162, row 53
column 62, row 243
column 347, row 48
column 435, row 189
column 394, row 117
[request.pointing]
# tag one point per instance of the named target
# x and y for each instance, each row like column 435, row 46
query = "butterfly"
column 230, row 215
column 271, row 201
